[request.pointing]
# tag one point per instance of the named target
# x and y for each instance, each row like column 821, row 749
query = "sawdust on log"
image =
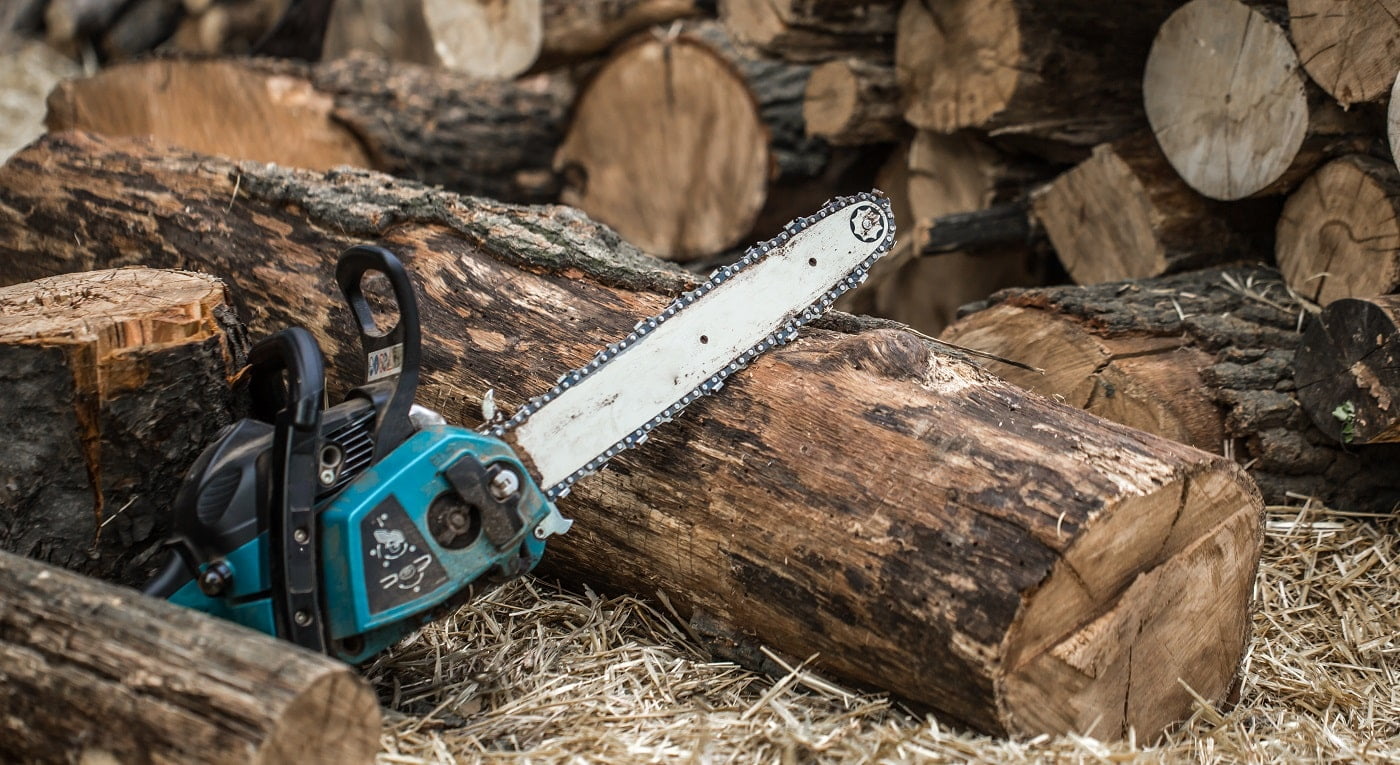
column 534, row 673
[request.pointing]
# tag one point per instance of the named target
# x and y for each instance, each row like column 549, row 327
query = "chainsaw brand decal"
column 399, row 567
column 384, row 362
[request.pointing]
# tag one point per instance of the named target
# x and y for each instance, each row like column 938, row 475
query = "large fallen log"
column 487, row 138
column 1203, row 357
column 91, row 672
column 918, row 523
column 114, row 381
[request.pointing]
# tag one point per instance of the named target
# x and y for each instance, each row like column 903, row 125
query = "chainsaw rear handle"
column 391, row 355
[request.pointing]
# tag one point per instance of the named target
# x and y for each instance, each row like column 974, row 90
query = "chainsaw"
column 344, row 529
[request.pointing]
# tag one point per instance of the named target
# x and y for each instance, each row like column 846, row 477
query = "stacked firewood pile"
column 1016, row 564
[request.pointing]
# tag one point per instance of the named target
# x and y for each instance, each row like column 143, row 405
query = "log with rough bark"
column 1202, row 357
column 1124, row 213
column 1066, row 71
column 949, row 174
column 676, row 138
column 576, row 29
column 1339, row 234
column 812, row 31
column 1230, row 105
column 1015, row 563
column 114, row 381
column 852, row 101
column 91, row 672
column 492, row 139
column 1348, row 370
column 1352, row 50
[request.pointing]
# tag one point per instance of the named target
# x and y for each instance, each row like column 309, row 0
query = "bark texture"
column 1203, row 357
column 91, row 672
column 113, row 382
column 1015, row 563
column 491, row 139
column 1348, row 370
column 1066, row 71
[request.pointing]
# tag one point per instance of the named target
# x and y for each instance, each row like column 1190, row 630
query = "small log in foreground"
column 1203, row 357
column 1012, row 562
column 114, row 381
column 1348, row 370
column 492, row 139
column 92, row 672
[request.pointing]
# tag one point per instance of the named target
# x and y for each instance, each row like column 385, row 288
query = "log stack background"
column 1193, row 203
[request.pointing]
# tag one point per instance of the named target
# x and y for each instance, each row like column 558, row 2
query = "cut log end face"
column 1346, row 370
column 1115, row 638
column 1339, row 235
column 667, row 146
column 958, row 62
column 215, row 107
column 1100, row 220
column 1351, row 50
column 1225, row 97
column 831, row 99
column 490, row 39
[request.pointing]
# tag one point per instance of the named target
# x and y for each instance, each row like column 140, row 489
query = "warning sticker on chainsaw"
column 385, row 362
column 399, row 567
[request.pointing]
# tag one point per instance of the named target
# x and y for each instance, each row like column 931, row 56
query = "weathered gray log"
column 1013, row 562
column 113, row 382
column 1204, row 357
column 91, row 672
column 486, row 138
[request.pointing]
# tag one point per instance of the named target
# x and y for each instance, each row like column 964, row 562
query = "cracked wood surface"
column 919, row 524
column 112, row 382
column 1203, row 357
column 92, row 672
column 1348, row 370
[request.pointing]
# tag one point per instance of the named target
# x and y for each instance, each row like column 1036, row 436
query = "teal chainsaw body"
column 345, row 528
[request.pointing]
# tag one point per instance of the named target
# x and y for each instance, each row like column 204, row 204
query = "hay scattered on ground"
column 534, row 674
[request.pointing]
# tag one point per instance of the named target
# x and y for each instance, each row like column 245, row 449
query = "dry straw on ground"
column 533, row 674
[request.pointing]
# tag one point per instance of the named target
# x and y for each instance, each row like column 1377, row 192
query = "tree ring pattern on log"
column 1224, row 93
column 1350, row 49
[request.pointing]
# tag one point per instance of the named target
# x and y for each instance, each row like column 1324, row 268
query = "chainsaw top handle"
column 391, row 355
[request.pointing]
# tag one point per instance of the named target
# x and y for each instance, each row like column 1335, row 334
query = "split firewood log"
column 115, row 381
column 853, row 101
column 98, row 673
column 812, row 31
column 492, row 139
column 1015, row 563
column 1066, row 71
column 1203, row 357
column 1339, row 235
column 676, row 138
column 1124, row 213
column 1351, row 50
column 1231, row 107
column 1348, row 370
